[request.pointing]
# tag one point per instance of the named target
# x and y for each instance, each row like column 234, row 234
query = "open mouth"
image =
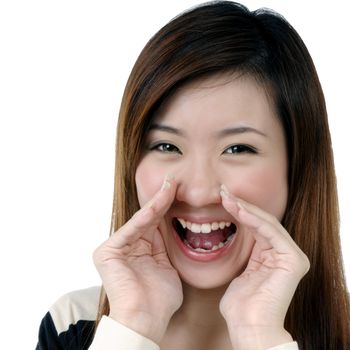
column 206, row 237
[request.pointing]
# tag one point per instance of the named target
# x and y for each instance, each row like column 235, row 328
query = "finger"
column 277, row 247
column 250, row 207
column 273, row 245
column 158, row 249
column 147, row 217
column 267, row 234
column 162, row 200
column 266, row 229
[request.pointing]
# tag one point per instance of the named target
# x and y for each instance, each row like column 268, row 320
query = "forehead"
column 224, row 98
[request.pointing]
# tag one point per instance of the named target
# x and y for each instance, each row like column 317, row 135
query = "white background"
column 63, row 67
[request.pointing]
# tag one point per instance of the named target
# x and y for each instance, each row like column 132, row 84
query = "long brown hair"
column 223, row 36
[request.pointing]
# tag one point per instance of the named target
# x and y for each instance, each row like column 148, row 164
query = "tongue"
column 205, row 241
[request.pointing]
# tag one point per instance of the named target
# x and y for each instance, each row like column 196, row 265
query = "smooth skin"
column 178, row 303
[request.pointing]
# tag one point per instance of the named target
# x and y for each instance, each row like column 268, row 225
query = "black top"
column 69, row 324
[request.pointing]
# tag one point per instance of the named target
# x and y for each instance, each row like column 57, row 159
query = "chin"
column 210, row 281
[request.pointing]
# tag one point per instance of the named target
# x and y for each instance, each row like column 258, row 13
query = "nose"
column 198, row 184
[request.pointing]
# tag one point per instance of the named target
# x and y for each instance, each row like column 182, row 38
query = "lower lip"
column 201, row 256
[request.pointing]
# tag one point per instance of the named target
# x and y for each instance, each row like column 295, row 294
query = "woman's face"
column 215, row 131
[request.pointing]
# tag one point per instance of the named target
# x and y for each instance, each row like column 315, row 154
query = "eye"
column 165, row 148
column 239, row 149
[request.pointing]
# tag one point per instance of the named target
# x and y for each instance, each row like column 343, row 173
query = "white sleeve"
column 112, row 335
column 287, row 346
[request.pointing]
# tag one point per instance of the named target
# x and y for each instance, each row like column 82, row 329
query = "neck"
column 198, row 324
column 200, row 307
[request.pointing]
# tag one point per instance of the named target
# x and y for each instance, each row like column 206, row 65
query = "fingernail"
column 169, row 177
column 241, row 206
column 166, row 184
column 224, row 191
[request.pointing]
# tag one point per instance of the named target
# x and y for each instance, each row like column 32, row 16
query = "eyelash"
column 157, row 147
column 240, row 148
column 170, row 148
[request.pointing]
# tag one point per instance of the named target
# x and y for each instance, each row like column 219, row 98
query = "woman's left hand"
column 256, row 302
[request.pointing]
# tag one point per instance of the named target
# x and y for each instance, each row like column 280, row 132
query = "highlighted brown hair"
column 223, row 36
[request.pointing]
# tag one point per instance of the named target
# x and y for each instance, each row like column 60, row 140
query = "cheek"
column 149, row 179
column 266, row 188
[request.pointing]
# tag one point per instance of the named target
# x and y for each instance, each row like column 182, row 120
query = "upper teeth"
column 204, row 228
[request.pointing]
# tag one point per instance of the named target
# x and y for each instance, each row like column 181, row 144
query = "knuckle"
column 303, row 263
column 96, row 256
column 307, row 263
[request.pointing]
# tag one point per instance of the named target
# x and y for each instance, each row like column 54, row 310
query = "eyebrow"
column 167, row 128
column 239, row 130
column 221, row 133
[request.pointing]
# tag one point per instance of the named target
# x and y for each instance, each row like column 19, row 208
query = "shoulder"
column 70, row 322
column 75, row 306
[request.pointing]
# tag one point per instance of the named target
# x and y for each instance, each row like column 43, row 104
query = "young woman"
column 225, row 198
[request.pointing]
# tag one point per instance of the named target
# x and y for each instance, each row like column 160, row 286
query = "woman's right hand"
column 142, row 287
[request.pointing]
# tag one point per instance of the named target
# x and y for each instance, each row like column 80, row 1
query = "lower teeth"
column 215, row 247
